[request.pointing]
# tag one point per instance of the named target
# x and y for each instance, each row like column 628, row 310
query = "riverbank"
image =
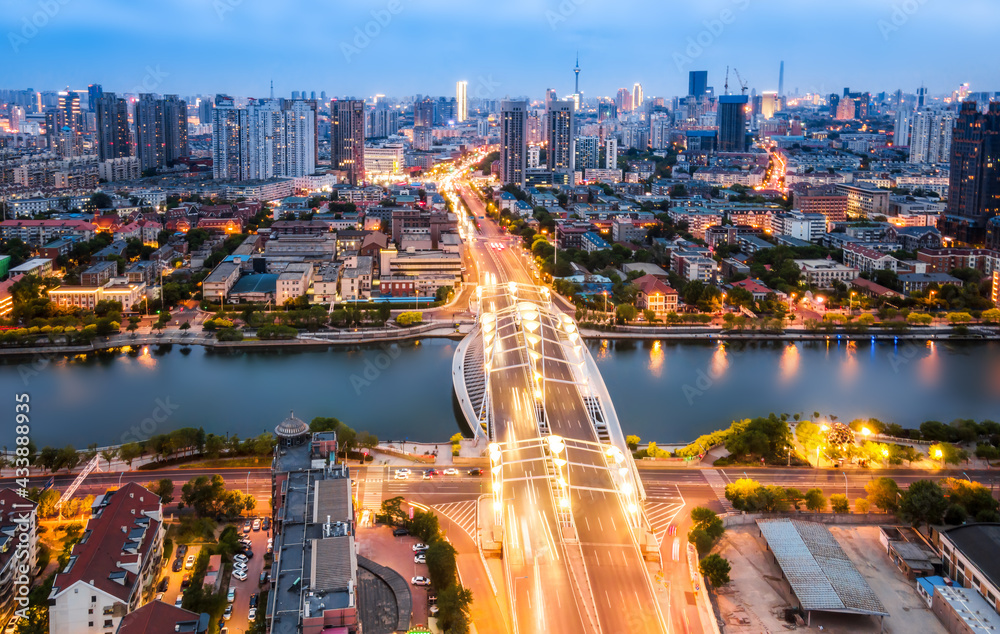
column 328, row 339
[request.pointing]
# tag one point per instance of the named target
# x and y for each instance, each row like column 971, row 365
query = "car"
column 246, row 552
column 181, row 550
column 228, row 614
column 240, row 557
column 240, row 574
column 185, row 581
column 419, row 548
column 256, row 525
column 163, row 585
column 247, row 526
column 224, row 630
column 399, row 475
column 253, row 600
column 433, row 610
column 266, row 524
column 475, row 472
column 231, row 596
column 420, row 581
column 420, row 559
column 179, row 600
column 263, row 578
column 178, row 564
column 252, row 614
column 400, row 532
column 159, row 596
column 240, row 566
column 451, row 472
column 189, row 562
column 403, row 470
column 425, row 476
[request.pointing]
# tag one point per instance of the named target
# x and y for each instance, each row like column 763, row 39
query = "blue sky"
column 510, row 47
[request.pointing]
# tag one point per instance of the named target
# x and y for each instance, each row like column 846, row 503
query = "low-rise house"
column 655, row 295
column 913, row 282
column 99, row 273
column 217, row 285
column 758, row 289
column 823, row 273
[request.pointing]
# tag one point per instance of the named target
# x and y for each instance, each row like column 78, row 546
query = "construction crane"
column 743, row 84
column 727, row 82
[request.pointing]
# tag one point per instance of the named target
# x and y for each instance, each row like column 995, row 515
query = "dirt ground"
column 748, row 606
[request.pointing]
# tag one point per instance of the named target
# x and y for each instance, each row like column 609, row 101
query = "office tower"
column 205, row 110
column 921, row 97
column 513, row 141
column 423, row 113
column 624, row 100
column 312, row 94
column 781, row 79
column 175, row 131
column 66, row 131
column 697, row 83
column 559, row 134
column 382, row 122
column 611, row 153
column 769, row 104
column 637, row 97
column 295, row 95
column 901, row 133
column 322, row 95
column 931, row 137
column 347, row 138
column 114, row 137
column 732, row 123
column 94, row 92
column 586, row 152
column 551, row 95
column 462, row 95
column 974, row 182
column 606, row 110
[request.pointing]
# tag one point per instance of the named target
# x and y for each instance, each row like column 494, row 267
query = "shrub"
column 409, row 318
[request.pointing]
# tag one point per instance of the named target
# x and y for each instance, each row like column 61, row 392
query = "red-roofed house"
column 125, row 232
column 117, row 557
column 17, row 517
column 226, row 225
column 865, row 259
column 655, row 295
column 158, row 617
column 757, row 288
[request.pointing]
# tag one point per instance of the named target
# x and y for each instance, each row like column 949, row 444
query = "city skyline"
column 332, row 51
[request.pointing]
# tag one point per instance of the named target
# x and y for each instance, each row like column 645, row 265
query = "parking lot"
column 378, row 544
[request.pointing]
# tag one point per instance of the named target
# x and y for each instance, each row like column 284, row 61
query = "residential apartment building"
column 18, row 517
column 823, row 273
column 698, row 219
column 38, row 232
column 116, row 560
column 293, row 282
column 514, row 142
column 347, row 139
column 865, row 201
column 867, row 260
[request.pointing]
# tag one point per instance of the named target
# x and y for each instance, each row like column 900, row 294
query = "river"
column 663, row 391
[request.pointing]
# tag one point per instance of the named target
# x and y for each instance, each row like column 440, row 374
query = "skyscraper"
column 624, row 100
column 175, row 132
column 347, row 138
column 462, row 96
column 901, row 132
column 586, row 152
column 423, row 113
column 921, row 97
column 769, row 104
column 300, row 139
column 974, row 182
column 611, row 153
column 513, row 141
column 559, row 135
column 732, row 123
column 931, row 138
column 697, row 83
column 161, row 130
column 266, row 139
column 637, row 97
column 114, row 137
column 781, row 79
column 94, row 92
column 228, row 143
column 382, row 121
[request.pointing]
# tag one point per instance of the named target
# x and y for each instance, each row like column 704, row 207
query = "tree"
column 129, row 452
column 972, row 496
column 626, row 313
column 207, row 496
column 839, row 503
column 425, row 525
column 632, row 442
column 716, row 568
column 441, row 565
column 100, row 200
column 883, row 493
column 861, row 505
column 47, row 502
column 955, row 514
column 706, row 530
column 947, row 453
column 164, row 488
column 109, row 455
column 815, row 500
column 454, row 603
column 923, row 503
column 392, row 512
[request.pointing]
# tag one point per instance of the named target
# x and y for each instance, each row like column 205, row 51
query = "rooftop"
column 979, row 543
column 818, row 571
column 978, row 616
column 158, row 617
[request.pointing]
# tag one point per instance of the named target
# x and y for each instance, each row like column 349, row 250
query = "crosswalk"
column 719, row 487
column 371, row 494
column 461, row 513
column 662, row 516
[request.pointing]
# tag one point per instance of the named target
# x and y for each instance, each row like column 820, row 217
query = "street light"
column 939, row 454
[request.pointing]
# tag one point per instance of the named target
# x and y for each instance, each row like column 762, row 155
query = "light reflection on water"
column 656, row 358
column 789, row 363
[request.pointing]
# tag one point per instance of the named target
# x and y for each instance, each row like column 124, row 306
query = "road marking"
column 461, row 513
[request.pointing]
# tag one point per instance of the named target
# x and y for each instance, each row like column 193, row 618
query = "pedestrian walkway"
column 661, row 517
column 718, row 485
column 461, row 513
column 371, row 489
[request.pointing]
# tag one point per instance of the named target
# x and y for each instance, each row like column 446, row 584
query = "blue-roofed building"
column 254, row 288
column 925, row 587
column 590, row 284
column 592, row 241
column 523, row 209
column 507, row 201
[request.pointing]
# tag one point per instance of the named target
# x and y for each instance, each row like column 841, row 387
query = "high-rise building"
column 205, row 105
column 659, row 132
column 175, row 131
column 381, row 121
column 559, row 134
column 586, row 152
column 347, row 138
column 462, row 96
column 637, row 97
column 423, row 113
column 974, row 182
column 921, row 97
column 114, row 137
column 534, row 156
column 64, row 125
column 624, row 100
column 930, row 140
column 732, row 123
column 16, row 118
column 697, row 83
column 266, row 139
column 611, row 153
column 606, row 110
column 94, row 92
column 551, row 95
column 513, row 142
column 161, row 130
column 781, row 79
column 901, row 132
column 769, row 104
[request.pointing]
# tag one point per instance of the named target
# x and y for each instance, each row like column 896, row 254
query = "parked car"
column 253, row 600
column 178, row 564
column 189, row 562
column 420, row 581
column 228, row 614
column 433, row 610
column 419, row 548
column 240, row 574
column 231, row 596
column 400, row 532
column 163, row 585
column 179, row 600
column 256, row 525
column 239, row 565
column 181, row 550
column 240, row 557
column 186, row 581
column 420, row 559
column 266, row 524
column 252, row 614
column 263, row 577
column 247, row 526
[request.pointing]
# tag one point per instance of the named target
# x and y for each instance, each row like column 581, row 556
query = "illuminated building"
column 513, row 142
